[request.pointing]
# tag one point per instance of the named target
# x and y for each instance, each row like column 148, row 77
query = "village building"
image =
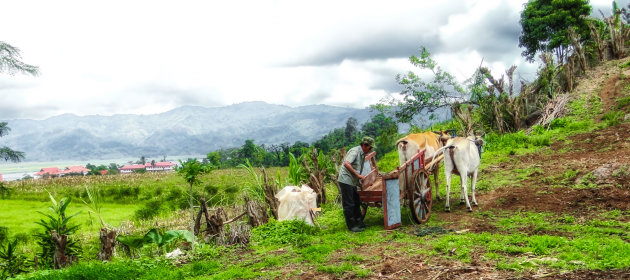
column 78, row 170
column 159, row 166
column 48, row 172
column 131, row 168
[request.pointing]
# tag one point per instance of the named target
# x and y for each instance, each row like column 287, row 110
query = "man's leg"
column 347, row 203
column 357, row 208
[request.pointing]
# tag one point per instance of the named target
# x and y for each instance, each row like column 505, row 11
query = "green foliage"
column 5, row 152
column 297, row 173
column 150, row 210
column 497, row 142
column 159, row 238
column 623, row 101
column 130, row 243
column 11, row 262
column 545, row 25
column 255, row 189
column 291, row 232
column 612, row 118
column 418, row 95
column 58, row 221
column 5, row 192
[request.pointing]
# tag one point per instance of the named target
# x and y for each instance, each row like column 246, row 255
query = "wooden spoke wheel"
column 419, row 196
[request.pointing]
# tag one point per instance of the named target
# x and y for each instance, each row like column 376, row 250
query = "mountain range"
column 188, row 130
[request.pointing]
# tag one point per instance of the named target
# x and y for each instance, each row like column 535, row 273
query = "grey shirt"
column 355, row 157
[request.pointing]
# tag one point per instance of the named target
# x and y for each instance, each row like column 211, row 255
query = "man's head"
column 367, row 144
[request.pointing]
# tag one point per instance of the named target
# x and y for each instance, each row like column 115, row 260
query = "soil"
column 597, row 162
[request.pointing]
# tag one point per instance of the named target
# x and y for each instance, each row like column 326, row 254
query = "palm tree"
column 10, row 62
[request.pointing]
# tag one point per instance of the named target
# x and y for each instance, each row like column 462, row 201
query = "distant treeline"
column 382, row 128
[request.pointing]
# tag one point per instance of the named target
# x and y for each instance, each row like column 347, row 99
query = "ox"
column 463, row 159
column 409, row 146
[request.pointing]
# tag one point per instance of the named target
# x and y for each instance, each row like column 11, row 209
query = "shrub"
column 613, row 118
column 291, row 232
column 149, row 210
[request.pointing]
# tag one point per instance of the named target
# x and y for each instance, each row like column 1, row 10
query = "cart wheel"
column 420, row 196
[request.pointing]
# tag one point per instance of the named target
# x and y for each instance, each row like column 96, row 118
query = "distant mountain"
column 187, row 130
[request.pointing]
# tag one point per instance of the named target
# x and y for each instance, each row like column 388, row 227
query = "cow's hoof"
column 475, row 204
column 470, row 209
column 448, row 210
column 462, row 202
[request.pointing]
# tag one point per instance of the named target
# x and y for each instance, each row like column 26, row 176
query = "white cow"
column 462, row 156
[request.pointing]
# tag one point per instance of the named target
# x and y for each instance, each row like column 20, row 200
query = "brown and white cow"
column 409, row 146
column 462, row 157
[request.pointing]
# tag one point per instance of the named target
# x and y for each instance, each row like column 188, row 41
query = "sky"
column 148, row 57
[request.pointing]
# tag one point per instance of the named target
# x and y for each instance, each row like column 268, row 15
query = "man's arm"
column 354, row 172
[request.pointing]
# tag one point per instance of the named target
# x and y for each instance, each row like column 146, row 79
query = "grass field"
column 20, row 215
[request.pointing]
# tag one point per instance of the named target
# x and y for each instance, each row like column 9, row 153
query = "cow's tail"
column 440, row 150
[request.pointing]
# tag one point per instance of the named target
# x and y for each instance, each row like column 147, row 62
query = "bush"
column 149, row 210
column 613, row 118
column 291, row 232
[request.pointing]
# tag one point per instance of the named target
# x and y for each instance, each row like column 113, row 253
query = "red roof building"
column 50, row 171
column 160, row 166
column 76, row 170
column 131, row 168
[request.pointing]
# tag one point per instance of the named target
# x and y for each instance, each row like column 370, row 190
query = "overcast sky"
column 148, row 57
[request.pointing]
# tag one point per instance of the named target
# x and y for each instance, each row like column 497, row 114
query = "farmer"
column 349, row 181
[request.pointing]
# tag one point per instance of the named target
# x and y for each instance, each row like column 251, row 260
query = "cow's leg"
column 474, row 183
column 465, row 188
column 448, row 190
column 436, row 173
column 461, row 192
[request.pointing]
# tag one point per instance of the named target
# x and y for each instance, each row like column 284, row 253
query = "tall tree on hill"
column 430, row 89
column 546, row 23
column 11, row 63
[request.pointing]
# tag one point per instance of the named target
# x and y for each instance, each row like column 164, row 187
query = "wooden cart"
column 384, row 191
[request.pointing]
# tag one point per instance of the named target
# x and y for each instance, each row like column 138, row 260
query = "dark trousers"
column 351, row 203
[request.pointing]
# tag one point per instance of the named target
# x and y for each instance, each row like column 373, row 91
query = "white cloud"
column 151, row 56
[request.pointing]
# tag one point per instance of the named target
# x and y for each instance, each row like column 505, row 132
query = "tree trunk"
column 108, row 241
column 316, row 177
column 601, row 45
column 192, row 218
column 61, row 241
column 256, row 212
column 270, row 195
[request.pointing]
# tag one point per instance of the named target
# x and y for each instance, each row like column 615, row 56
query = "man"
column 349, row 180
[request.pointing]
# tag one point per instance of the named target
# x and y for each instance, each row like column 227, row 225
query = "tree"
column 143, row 160
column 11, row 63
column 190, row 171
column 351, row 130
column 7, row 153
column 545, row 26
column 383, row 129
column 214, row 158
column 441, row 89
